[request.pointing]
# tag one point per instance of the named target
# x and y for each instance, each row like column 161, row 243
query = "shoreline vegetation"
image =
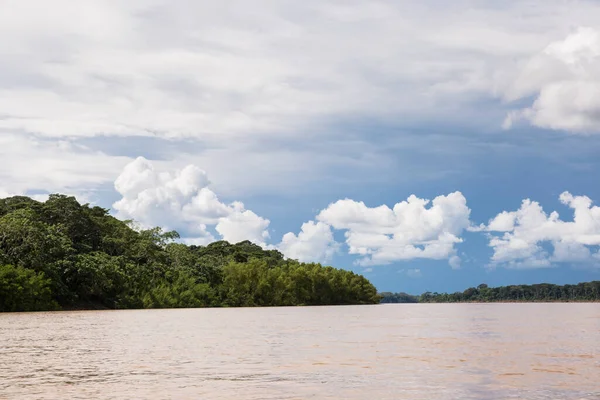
column 584, row 292
column 59, row 254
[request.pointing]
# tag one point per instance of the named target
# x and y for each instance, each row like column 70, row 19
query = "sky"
column 430, row 146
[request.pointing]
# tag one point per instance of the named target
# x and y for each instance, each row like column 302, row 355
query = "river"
column 403, row 351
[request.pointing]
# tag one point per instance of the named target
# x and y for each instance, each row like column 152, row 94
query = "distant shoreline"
column 583, row 292
column 497, row 302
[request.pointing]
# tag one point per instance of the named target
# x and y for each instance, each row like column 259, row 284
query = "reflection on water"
column 412, row 351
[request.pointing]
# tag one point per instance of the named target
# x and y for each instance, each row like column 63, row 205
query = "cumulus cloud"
column 409, row 230
column 183, row 201
column 314, row 242
column 564, row 78
column 503, row 222
column 527, row 230
column 243, row 224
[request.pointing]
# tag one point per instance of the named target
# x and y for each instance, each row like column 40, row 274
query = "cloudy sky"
column 429, row 145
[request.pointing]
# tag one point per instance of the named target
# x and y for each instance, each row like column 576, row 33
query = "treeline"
column 61, row 254
column 389, row 297
column 543, row 292
column 586, row 291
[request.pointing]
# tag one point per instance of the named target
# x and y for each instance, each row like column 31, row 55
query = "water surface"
column 404, row 351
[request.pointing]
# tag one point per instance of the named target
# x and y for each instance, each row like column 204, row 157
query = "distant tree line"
column 389, row 297
column 585, row 291
column 61, row 254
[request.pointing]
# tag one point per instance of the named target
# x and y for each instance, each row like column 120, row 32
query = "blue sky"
column 320, row 128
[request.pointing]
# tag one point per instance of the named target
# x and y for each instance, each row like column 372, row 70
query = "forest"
column 389, row 297
column 60, row 254
column 543, row 292
column 585, row 291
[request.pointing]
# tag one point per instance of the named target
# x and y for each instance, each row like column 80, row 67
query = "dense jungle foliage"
column 61, row 254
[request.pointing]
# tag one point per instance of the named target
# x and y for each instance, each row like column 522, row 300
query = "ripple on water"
column 382, row 352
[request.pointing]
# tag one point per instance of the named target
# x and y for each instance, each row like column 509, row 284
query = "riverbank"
column 583, row 292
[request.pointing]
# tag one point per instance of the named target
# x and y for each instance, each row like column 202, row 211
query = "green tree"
column 26, row 241
column 22, row 289
column 81, row 256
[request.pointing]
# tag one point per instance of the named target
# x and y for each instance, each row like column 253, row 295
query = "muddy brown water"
column 404, row 351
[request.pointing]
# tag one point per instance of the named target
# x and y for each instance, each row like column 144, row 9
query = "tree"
column 588, row 291
column 84, row 257
column 22, row 289
column 28, row 242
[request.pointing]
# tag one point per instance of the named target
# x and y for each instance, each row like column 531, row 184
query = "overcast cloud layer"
column 179, row 69
column 215, row 73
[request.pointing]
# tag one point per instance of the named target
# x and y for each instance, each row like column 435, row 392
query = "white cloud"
column 242, row 225
column 411, row 272
column 503, row 222
column 409, row 230
column 235, row 79
column 195, row 69
column 4, row 193
column 526, row 230
column 414, row 273
column 183, row 201
column 268, row 167
column 455, row 262
column 230, row 77
column 565, row 80
column 30, row 163
column 314, row 242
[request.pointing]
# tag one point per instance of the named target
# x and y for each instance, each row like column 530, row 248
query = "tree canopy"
column 585, row 291
column 60, row 253
column 543, row 292
column 389, row 297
